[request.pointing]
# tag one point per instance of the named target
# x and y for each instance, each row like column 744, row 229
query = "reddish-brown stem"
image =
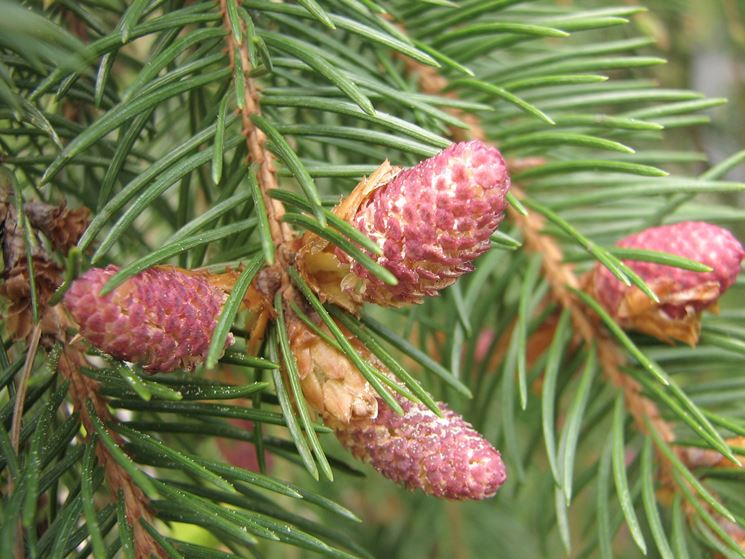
column 256, row 141
column 15, row 428
column 84, row 389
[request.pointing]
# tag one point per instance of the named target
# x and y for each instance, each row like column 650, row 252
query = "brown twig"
column 83, row 389
column 561, row 277
column 256, row 143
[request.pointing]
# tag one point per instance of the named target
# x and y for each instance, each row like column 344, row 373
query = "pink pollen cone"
column 432, row 221
column 443, row 456
column 162, row 318
column 683, row 294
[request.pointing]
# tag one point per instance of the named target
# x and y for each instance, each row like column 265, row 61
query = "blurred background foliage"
column 704, row 43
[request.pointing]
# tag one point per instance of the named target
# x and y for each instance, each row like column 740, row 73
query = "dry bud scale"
column 162, row 318
column 683, row 294
column 430, row 221
column 62, row 227
column 442, row 456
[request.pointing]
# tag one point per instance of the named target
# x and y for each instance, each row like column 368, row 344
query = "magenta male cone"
column 442, row 456
column 431, row 221
column 683, row 294
column 162, row 318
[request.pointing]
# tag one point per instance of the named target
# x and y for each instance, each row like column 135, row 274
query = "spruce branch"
column 318, row 96
column 563, row 282
column 562, row 279
column 238, row 40
column 564, row 285
column 62, row 228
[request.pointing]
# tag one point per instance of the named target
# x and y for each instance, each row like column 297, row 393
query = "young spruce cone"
column 162, row 318
column 431, row 221
column 683, row 294
column 442, row 456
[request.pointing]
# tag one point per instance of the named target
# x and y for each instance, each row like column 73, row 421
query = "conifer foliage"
column 241, row 238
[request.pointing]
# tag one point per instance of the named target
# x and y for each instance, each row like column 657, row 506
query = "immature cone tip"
column 162, row 318
column 683, row 294
column 442, row 456
column 432, row 221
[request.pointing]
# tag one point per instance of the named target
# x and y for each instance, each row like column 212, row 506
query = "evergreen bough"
column 206, row 135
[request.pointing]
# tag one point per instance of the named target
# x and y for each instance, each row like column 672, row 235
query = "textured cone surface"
column 162, row 318
column 431, row 221
column 442, row 456
column 683, row 294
